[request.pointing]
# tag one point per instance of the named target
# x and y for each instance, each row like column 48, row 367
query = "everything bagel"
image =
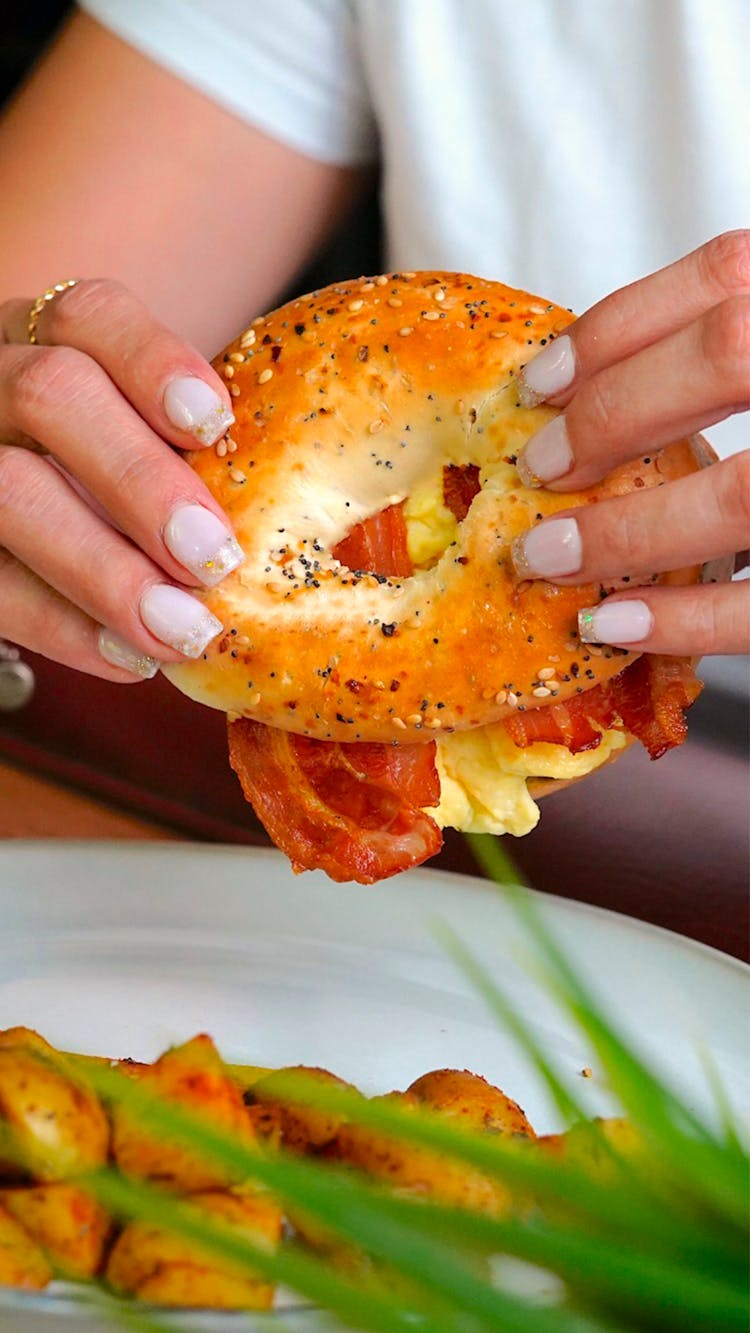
column 360, row 409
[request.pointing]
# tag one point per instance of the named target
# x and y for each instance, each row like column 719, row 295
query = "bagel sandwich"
column 385, row 671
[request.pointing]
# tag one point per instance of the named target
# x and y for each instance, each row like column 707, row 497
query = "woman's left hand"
column 655, row 361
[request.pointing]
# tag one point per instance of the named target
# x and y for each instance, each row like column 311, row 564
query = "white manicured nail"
column 615, row 622
column 202, row 543
column 192, row 405
column 547, row 455
column 178, row 619
column 551, row 371
column 118, row 652
column 549, row 551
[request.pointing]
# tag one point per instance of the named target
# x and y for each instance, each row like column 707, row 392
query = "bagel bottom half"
column 385, row 670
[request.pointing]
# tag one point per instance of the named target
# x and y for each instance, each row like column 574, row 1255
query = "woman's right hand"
column 103, row 527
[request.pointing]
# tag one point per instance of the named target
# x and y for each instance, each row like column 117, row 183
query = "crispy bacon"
column 460, row 485
column 647, row 699
column 651, row 696
column 378, row 546
column 352, row 810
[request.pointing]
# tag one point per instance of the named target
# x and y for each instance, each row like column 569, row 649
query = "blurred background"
column 668, row 843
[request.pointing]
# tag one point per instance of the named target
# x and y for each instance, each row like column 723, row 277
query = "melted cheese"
column 483, row 775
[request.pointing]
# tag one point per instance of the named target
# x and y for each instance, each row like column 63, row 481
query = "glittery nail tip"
column 520, row 559
column 215, row 424
column 192, row 643
column 525, row 474
column 119, row 653
column 228, row 557
column 527, row 396
column 586, row 628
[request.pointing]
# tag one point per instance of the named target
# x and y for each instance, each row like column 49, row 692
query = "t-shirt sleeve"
column 290, row 67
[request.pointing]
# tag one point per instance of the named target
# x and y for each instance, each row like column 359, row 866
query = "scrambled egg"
column 483, row 775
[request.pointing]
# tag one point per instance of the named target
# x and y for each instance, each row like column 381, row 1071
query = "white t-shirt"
column 563, row 146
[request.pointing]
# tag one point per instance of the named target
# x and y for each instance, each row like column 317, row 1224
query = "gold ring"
column 41, row 302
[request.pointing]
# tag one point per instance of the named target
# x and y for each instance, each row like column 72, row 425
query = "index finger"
column 168, row 382
column 637, row 316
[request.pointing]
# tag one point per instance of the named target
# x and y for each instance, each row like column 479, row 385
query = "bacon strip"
column 353, row 810
column 460, row 485
column 647, row 699
column 378, row 546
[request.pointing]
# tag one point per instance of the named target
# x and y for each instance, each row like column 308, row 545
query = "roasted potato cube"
column 70, row 1227
column 471, row 1101
column 195, row 1076
column 412, row 1169
column 157, row 1265
column 304, row 1129
column 22, row 1263
column 56, row 1123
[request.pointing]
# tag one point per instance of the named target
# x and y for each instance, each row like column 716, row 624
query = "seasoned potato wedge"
column 156, row 1265
column 22, row 1263
column 70, row 1227
column 57, row 1124
column 304, row 1129
column 195, row 1076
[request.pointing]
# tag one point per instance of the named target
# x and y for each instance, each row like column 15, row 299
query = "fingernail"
column 192, row 405
column 118, row 652
column 178, row 619
column 615, row 622
column 551, row 371
column 202, row 543
column 547, row 455
column 549, row 551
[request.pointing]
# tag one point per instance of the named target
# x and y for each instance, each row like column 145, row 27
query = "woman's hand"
column 101, row 522
column 660, row 359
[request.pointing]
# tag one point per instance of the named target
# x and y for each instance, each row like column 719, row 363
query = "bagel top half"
column 349, row 400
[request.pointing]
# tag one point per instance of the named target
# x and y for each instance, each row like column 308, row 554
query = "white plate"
column 122, row 949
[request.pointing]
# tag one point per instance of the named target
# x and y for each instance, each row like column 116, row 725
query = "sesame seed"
column 487, row 694
column 405, row 332
column 382, row 280
column 231, row 446
column 537, row 309
column 439, row 295
column 235, row 390
column 221, row 449
column 354, row 306
column 430, row 314
column 546, row 673
column 237, row 357
column 237, row 475
column 414, row 719
column 248, row 338
column 498, row 333
column 501, row 696
column 408, row 275
column 265, row 375
column 560, row 325
column 571, row 647
column 242, row 640
column 375, row 426
column 259, row 319
column 434, row 724
column 512, row 699
column 541, row 692
column 254, row 700
column 553, row 657
column 594, row 650
column 398, row 722
column 367, row 287
column 229, row 372
column 395, row 301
